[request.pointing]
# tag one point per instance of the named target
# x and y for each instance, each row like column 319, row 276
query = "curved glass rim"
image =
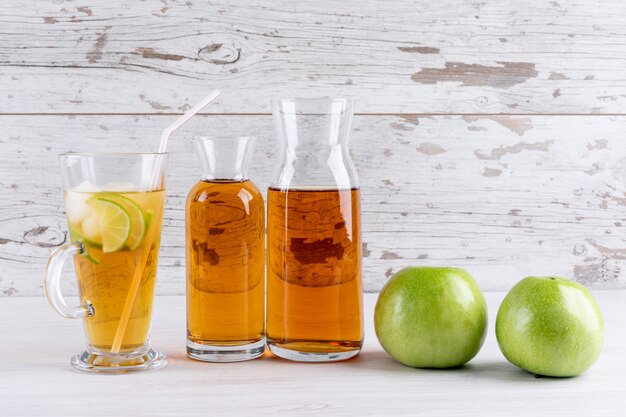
column 111, row 154
column 312, row 99
column 307, row 104
column 203, row 137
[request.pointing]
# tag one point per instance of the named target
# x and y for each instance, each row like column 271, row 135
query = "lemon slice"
column 115, row 224
column 138, row 223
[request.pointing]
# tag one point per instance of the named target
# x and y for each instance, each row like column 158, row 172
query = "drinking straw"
column 145, row 251
column 185, row 118
column 134, row 284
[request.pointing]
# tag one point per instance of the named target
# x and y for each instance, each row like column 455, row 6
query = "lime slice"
column 90, row 258
column 148, row 217
column 138, row 224
column 115, row 224
column 76, row 237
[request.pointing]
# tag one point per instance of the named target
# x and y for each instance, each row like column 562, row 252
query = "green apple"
column 431, row 317
column 550, row 326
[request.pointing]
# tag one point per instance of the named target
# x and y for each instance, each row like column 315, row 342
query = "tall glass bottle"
column 314, row 290
column 225, row 240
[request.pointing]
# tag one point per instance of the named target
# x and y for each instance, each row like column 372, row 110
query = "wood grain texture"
column 394, row 56
column 37, row 379
column 502, row 196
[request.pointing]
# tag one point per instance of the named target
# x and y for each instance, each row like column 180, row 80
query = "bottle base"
column 118, row 363
column 312, row 355
column 225, row 353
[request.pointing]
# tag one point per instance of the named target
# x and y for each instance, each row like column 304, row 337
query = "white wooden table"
column 36, row 379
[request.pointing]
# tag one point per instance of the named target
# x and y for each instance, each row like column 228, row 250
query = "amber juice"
column 104, row 279
column 314, row 270
column 225, row 263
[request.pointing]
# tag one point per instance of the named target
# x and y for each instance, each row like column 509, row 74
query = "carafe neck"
column 313, row 136
column 225, row 158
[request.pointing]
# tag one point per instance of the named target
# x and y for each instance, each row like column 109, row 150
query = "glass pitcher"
column 225, row 233
column 314, row 289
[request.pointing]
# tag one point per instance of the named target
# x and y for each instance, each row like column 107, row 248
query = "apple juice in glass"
column 114, row 205
column 314, row 300
column 225, row 244
column 114, row 251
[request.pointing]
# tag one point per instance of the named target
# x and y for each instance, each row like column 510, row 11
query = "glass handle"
column 52, row 280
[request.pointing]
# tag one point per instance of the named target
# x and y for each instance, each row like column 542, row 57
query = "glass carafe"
column 225, row 240
column 314, row 289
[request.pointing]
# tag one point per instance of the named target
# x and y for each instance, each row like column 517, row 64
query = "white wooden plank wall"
column 490, row 135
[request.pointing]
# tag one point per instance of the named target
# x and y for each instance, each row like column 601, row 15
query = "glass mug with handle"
column 114, row 204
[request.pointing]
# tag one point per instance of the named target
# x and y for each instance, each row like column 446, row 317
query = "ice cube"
column 75, row 199
column 76, row 206
column 120, row 187
column 86, row 187
column 90, row 228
